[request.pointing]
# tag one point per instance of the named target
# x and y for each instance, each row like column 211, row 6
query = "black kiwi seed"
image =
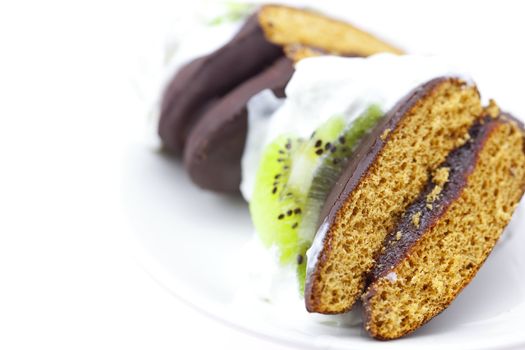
column 286, row 167
column 280, row 159
column 312, row 136
column 289, row 213
column 327, row 146
column 295, row 225
column 281, row 151
column 297, row 211
column 299, row 259
column 333, row 149
column 342, row 140
column 319, row 152
column 277, row 176
column 280, row 217
column 335, row 161
column 318, row 143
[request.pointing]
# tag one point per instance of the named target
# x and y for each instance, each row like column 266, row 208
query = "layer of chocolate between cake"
column 414, row 297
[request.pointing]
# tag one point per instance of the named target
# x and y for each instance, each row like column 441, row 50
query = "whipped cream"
column 265, row 286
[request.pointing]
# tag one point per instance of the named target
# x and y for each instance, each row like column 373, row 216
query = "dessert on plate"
column 384, row 180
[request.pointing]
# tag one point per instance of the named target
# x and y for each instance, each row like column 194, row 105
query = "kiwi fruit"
column 293, row 180
column 277, row 211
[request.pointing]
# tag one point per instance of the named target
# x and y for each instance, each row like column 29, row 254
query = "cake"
column 190, row 99
column 384, row 176
column 446, row 234
column 384, row 180
column 285, row 25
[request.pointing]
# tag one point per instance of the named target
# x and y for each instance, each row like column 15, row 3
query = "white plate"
column 191, row 241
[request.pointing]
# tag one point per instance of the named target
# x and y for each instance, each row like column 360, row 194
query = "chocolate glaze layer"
column 208, row 78
column 215, row 146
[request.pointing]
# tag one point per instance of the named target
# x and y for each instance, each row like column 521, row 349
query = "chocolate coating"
column 205, row 79
column 215, row 145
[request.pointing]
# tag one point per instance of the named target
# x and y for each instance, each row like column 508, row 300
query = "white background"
column 67, row 277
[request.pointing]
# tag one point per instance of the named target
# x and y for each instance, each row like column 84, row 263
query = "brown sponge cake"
column 387, row 173
column 447, row 233
column 287, row 25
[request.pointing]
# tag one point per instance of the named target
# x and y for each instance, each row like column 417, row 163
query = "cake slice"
column 445, row 236
column 287, row 25
column 385, row 175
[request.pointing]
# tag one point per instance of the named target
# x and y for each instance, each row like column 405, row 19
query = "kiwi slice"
column 294, row 179
column 276, row 210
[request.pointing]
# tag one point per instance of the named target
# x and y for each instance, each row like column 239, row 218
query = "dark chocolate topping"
column 215, row 146
column 211, row 77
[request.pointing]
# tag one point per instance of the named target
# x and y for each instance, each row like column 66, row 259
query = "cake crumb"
column 416, row 219
column 432, row 196
column 385, row 133
column 398, row 235
column 441, row 175
column 464, row 138
column 492, row 109
column 429, row 206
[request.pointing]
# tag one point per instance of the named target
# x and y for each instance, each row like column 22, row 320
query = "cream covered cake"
column 382, row 181
column 330, row 170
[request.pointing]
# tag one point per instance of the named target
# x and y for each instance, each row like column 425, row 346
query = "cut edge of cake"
column 445, row 236
column 388, row 171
